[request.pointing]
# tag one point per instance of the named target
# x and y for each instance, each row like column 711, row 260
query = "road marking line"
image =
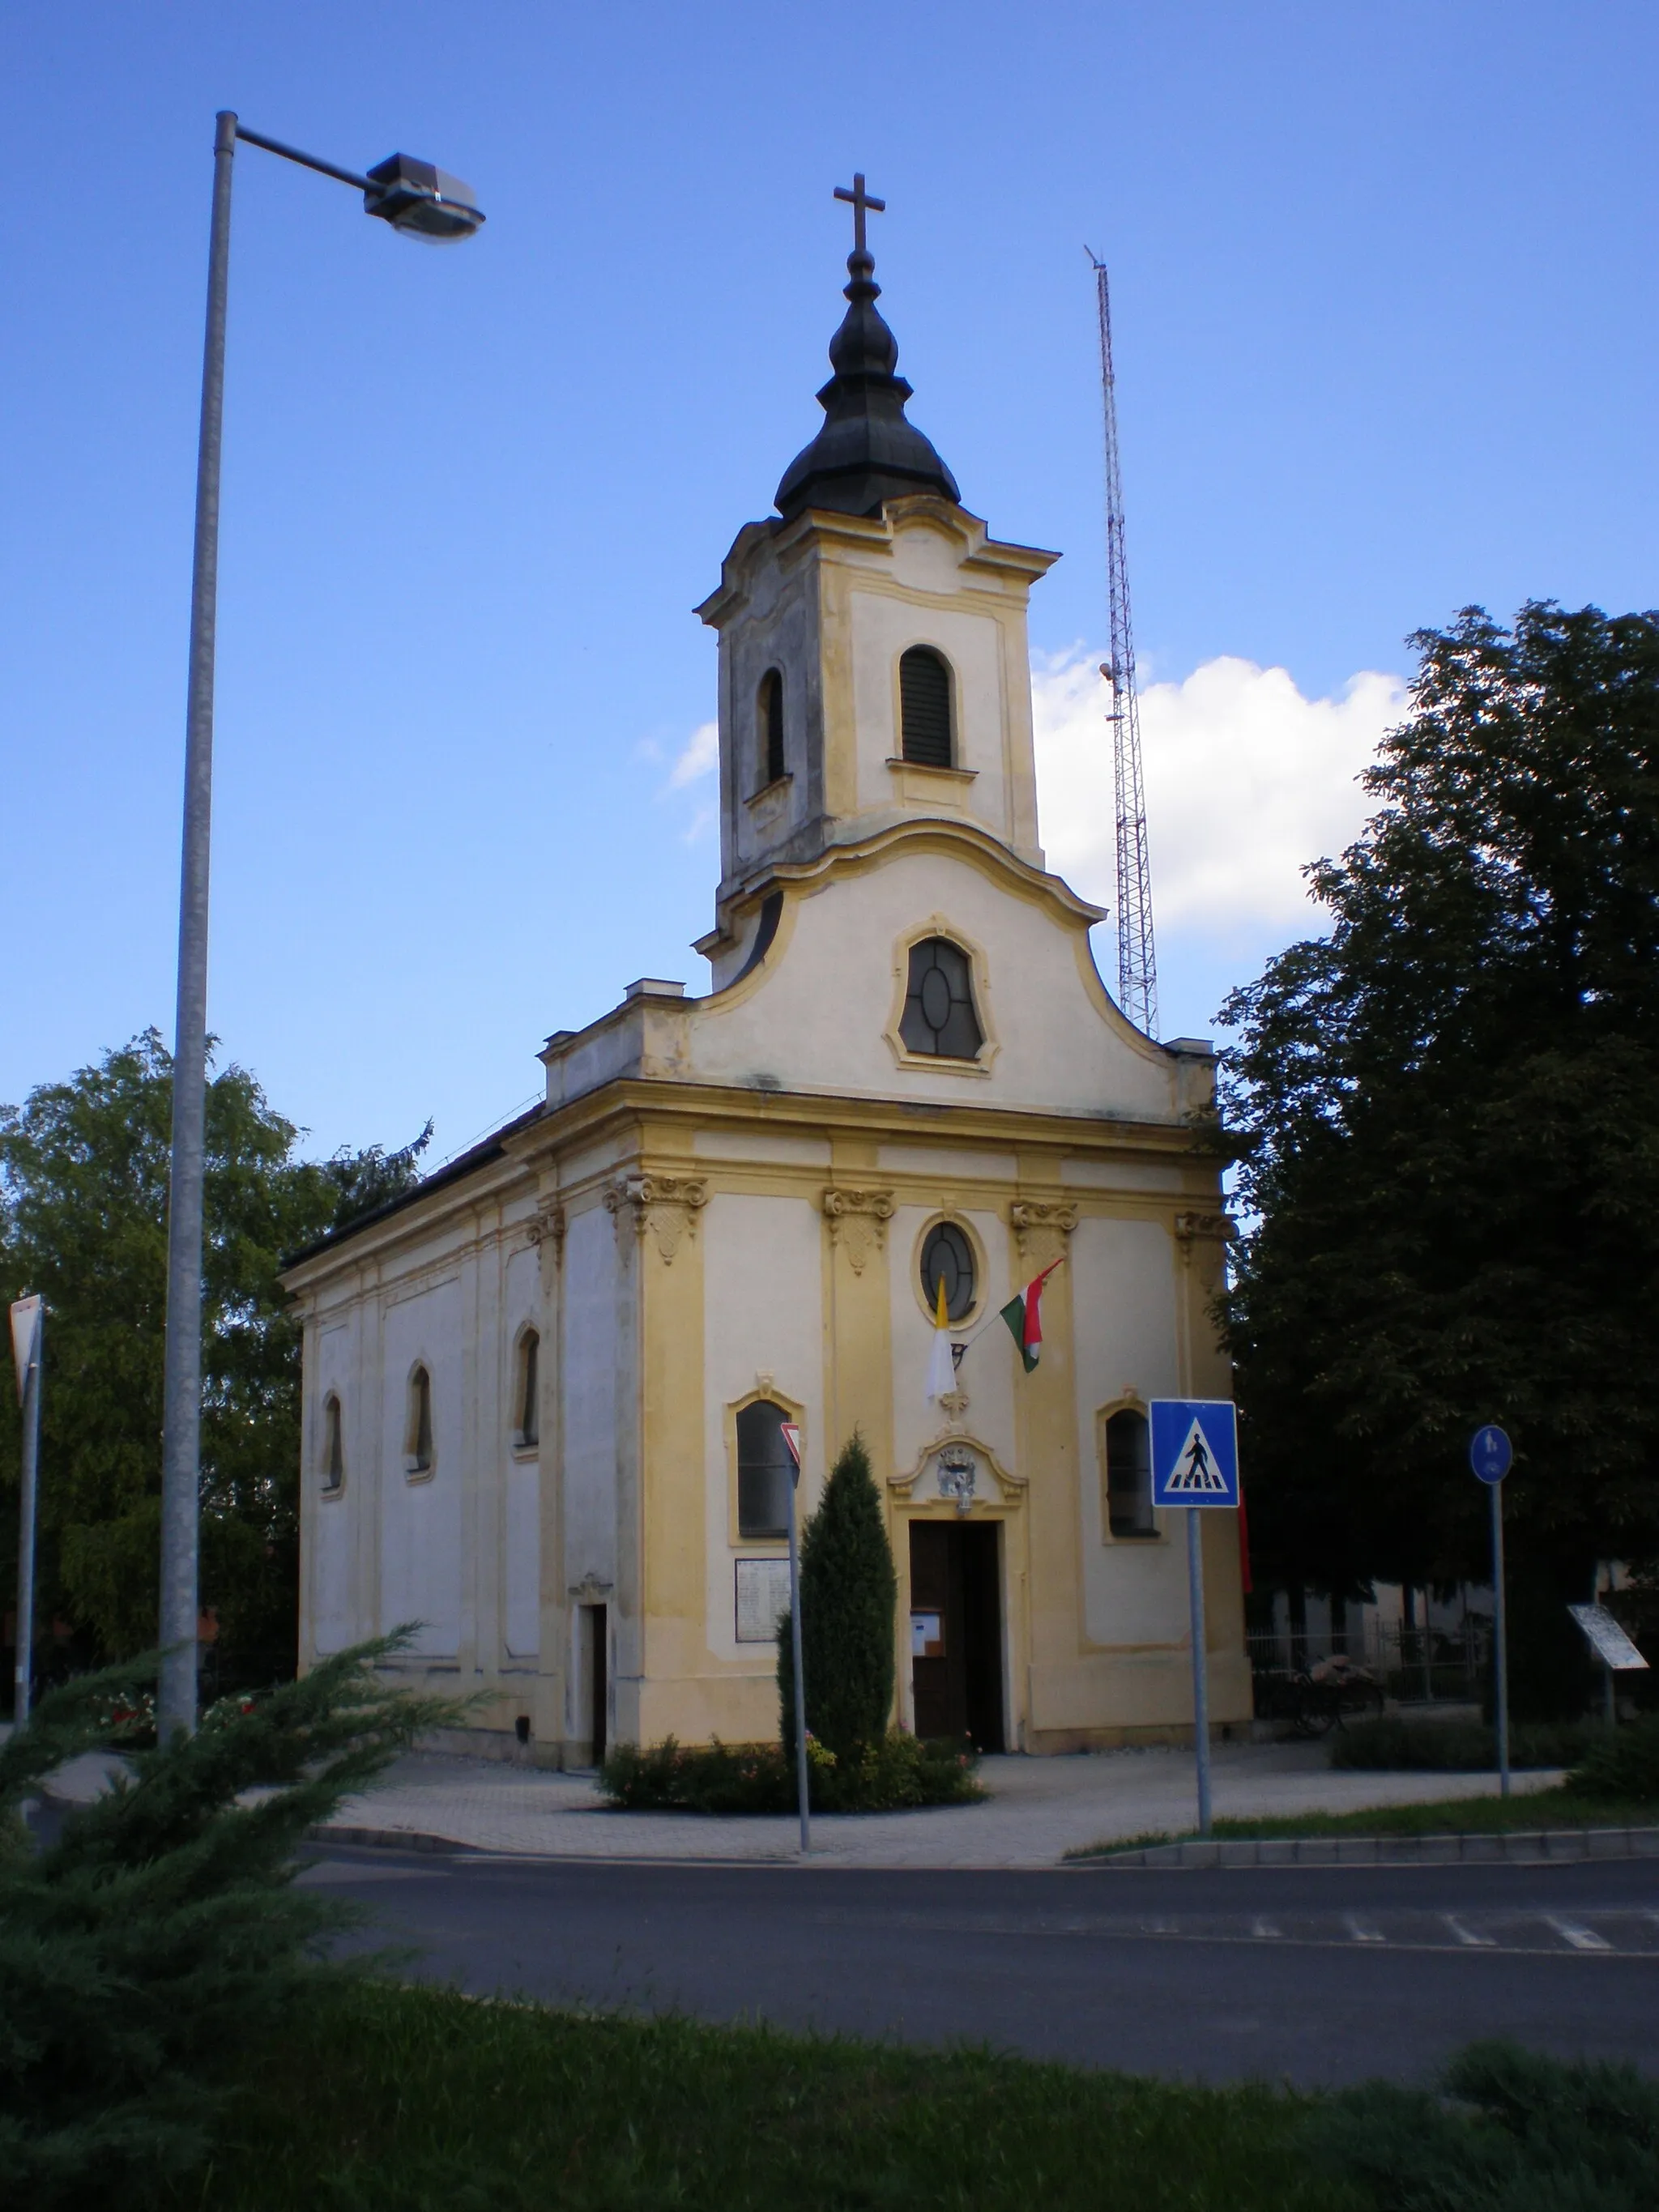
column 1580, row 1937
column 1265, row 1929
column 1468, row 1935
column 1361, row 1930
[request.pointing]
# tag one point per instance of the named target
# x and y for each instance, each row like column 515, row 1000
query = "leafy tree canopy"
column 1447, row 1120
column 83, row 1194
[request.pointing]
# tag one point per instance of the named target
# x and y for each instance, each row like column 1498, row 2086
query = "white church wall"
column 985, row 1375
column 333, row 1518
column 820, row 1021
column 1123, row 1291
column 520, row 1546
column 589, row 1370
column 762, row 1260
column 421, row 1524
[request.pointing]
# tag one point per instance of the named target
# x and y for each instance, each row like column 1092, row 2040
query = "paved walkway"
column 1037, row 1810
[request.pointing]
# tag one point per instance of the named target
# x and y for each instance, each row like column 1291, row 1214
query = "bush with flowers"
column 896, row 1771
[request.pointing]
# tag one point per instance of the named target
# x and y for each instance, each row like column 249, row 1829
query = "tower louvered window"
column 924, row 709
column 771, row 726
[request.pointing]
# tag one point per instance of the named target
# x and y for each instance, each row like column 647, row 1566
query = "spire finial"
column 867, row 450
column 860, row 200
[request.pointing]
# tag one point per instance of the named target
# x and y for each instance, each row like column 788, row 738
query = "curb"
column 386, row 1840
column 1529, row 1847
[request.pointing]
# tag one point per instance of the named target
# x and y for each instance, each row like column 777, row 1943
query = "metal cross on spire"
column 860, row 200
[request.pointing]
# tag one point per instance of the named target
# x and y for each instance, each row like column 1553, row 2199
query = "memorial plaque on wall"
column 763, row 1596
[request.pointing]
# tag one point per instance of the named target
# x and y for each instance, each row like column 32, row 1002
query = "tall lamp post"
column 423, row 202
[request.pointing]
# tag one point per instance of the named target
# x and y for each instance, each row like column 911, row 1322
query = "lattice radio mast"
column 1137, row 962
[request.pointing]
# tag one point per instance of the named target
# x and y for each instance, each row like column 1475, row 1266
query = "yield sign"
column 792, row 1440
column 1194, row 1452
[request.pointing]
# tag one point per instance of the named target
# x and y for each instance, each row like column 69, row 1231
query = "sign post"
column 1491, row 1455
column 28, row 1329
column 792, row 1441
column 1608, row 1641
column 1195, row 1465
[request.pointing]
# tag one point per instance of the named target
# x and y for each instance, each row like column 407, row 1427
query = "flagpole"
column 28, row 1332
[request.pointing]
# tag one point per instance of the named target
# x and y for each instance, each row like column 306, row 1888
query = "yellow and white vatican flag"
column 941, row 1363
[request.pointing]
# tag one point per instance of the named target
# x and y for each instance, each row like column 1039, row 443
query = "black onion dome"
column 867, row 451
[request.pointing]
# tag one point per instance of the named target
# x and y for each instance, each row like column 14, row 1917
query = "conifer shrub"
column 848, row 1591
column 161, row 1937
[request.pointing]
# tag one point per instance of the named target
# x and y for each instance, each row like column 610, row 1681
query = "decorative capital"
column 1042, row 1225
column 858, row 1220
column 1190, row 1226
column 666, row 1204
column 549, row 1224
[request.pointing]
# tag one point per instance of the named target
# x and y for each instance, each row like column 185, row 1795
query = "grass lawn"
column 396, row 2100
column 1542, row 1808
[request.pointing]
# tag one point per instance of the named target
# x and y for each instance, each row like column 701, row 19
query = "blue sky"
column 1384, row 284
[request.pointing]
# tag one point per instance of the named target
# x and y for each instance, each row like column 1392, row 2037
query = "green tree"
column 84, row 1185
column 1447, row 1120
column 847, row 1593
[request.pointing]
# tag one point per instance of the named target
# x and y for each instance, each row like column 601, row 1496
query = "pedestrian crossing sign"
column 1194, row 1452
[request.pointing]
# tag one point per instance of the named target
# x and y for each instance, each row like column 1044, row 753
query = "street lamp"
column 421, row 203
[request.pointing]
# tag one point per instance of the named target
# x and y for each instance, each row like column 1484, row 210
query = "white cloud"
column 700, row 756
column 1247, row 781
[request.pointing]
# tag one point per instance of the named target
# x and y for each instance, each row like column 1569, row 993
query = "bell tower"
column 873, row 660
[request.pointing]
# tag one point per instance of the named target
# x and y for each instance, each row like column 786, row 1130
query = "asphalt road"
column 1315, row 1974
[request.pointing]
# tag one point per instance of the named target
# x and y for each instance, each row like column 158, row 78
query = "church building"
column 544, row 1391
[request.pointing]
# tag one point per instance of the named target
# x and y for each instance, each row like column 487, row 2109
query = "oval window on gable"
column 938, row 1017
column 924, row 736
column 947, row 1257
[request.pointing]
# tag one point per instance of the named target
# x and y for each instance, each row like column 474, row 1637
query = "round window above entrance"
column 948, row 1257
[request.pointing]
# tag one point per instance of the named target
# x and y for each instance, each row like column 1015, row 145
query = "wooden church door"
column 956, row 1629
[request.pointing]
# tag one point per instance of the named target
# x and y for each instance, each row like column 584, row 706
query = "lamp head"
column 422, row 202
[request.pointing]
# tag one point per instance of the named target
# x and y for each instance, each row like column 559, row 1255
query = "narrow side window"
column 771, row 726
column 1129, row 1476
column 333, row 1445
column 417, row 1443
column 763, row 1465
column 526, row 1399
column 925, row 735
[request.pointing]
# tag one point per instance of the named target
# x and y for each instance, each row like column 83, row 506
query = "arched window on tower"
column 1129, row 1476
column 771, row 727
column 926, row 735
column 763, row 1465
column 938, row 1017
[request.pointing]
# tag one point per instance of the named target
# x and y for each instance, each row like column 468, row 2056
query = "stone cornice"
column 627, row 1105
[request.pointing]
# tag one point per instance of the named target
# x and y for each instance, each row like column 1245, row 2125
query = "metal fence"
column 1412, row 1666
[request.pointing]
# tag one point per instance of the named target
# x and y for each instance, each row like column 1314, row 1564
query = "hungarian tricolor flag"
column 1024, row 1315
